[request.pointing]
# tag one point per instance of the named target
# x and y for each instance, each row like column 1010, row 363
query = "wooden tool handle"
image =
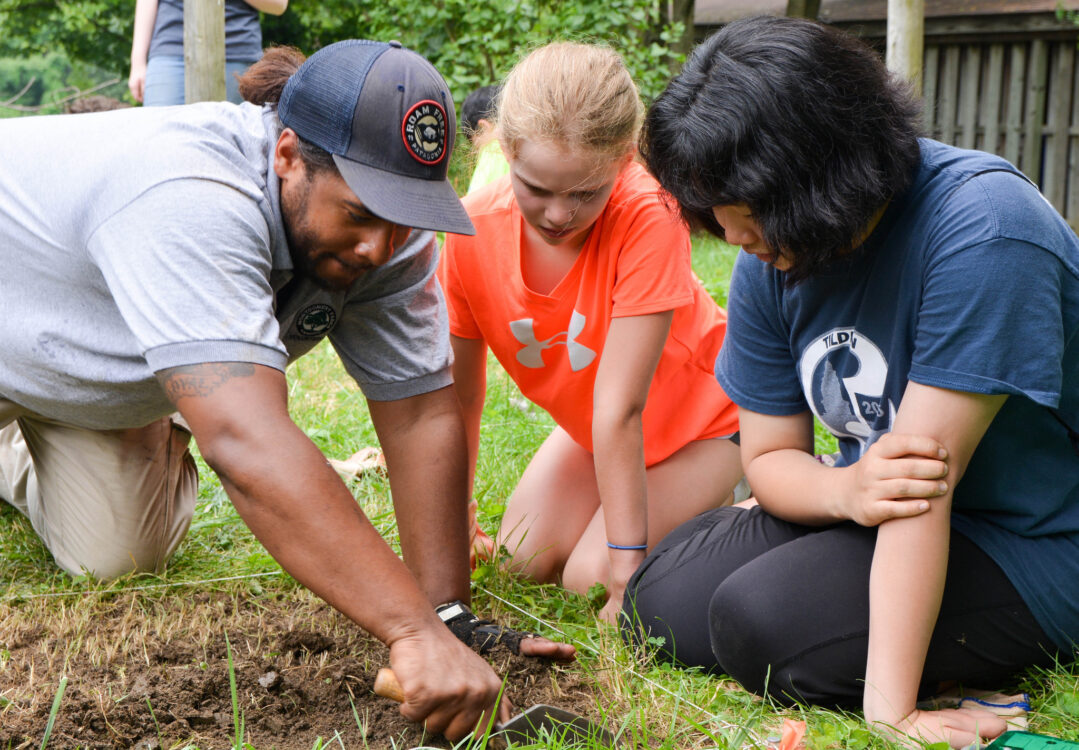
column 387, row 686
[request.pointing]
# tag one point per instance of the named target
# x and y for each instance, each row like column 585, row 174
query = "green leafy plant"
column 596, row 596
column 93, row 31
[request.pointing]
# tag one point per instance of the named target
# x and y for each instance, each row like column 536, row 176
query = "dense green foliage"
column 96, row 32
column 32, row 77
column 471, row 43
column 475, row 43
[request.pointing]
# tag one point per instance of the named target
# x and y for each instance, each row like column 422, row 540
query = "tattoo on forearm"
column 199, row 381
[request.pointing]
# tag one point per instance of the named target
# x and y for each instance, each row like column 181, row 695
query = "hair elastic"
column 627, row 546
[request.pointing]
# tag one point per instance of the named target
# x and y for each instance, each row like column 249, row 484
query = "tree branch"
column 10, row 103
column 12, row 100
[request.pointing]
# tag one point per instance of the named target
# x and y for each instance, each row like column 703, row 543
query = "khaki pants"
column 103, row 502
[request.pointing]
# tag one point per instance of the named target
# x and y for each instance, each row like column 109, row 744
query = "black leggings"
column 784, row 609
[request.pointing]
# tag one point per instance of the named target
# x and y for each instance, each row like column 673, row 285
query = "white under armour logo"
column 580, row 356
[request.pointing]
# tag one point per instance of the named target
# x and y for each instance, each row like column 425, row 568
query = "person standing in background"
column 477, row 111
column 157, row 47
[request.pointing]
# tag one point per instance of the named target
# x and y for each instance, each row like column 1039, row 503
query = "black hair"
column 799, row 121
column 315, row 158
column 264, row 82
column 479, row 105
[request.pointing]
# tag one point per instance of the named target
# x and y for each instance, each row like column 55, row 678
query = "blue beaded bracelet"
column 627, row 546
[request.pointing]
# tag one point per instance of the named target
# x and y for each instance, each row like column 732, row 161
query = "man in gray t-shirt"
column 175, row 260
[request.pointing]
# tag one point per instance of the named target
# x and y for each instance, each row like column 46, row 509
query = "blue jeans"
column 165, row 81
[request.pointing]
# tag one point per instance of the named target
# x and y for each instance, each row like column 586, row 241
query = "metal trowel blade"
column 542, row 720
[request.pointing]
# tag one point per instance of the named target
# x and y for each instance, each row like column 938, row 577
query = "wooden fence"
column 1019, row 99
column 999, row 75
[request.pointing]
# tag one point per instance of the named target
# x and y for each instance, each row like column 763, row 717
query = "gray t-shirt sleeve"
column 393, row 337
column 192, row 285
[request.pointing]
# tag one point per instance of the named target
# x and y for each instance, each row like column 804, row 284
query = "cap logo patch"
column 424, row 132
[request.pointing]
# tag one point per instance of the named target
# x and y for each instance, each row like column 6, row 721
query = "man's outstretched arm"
column 423, row 439
column 301, row 511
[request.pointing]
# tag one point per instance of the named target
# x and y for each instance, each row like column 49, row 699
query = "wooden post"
column 1030, row 157
column 906, row 40
column 204, row 50
column 681, row 10
column 803, row 9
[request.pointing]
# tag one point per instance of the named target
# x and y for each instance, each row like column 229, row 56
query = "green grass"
column 659, row 707
column 53, row 712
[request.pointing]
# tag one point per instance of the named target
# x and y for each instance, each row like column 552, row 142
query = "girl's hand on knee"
column 894, row 479
column 611, row 610
column 959, row 727
column 624, row 564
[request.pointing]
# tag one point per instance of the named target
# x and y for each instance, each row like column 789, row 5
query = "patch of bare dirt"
column 154, row 673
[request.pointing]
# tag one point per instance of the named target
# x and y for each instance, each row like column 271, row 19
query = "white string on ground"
column 587, row 647
column 149, row 586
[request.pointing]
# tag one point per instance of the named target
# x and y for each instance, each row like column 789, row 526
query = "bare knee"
column 531, row 556
column 585, row 568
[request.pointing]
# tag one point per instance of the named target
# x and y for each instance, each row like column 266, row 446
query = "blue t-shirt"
column 970, row 282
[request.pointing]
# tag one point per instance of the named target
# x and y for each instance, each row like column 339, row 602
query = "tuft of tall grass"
column 54, row 712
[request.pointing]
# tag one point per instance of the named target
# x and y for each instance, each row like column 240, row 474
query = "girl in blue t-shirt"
column 923, row 303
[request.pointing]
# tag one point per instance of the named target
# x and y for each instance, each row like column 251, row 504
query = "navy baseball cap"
column 387, row 117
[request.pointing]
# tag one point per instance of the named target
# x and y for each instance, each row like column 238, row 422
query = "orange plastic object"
column 793, row 733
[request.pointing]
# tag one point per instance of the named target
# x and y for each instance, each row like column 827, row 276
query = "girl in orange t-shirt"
column 579, row 280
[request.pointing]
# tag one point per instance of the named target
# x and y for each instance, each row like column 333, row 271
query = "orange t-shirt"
column 635, row 261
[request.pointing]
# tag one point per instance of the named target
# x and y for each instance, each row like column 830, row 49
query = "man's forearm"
column 423, row 439
column 470, row 385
